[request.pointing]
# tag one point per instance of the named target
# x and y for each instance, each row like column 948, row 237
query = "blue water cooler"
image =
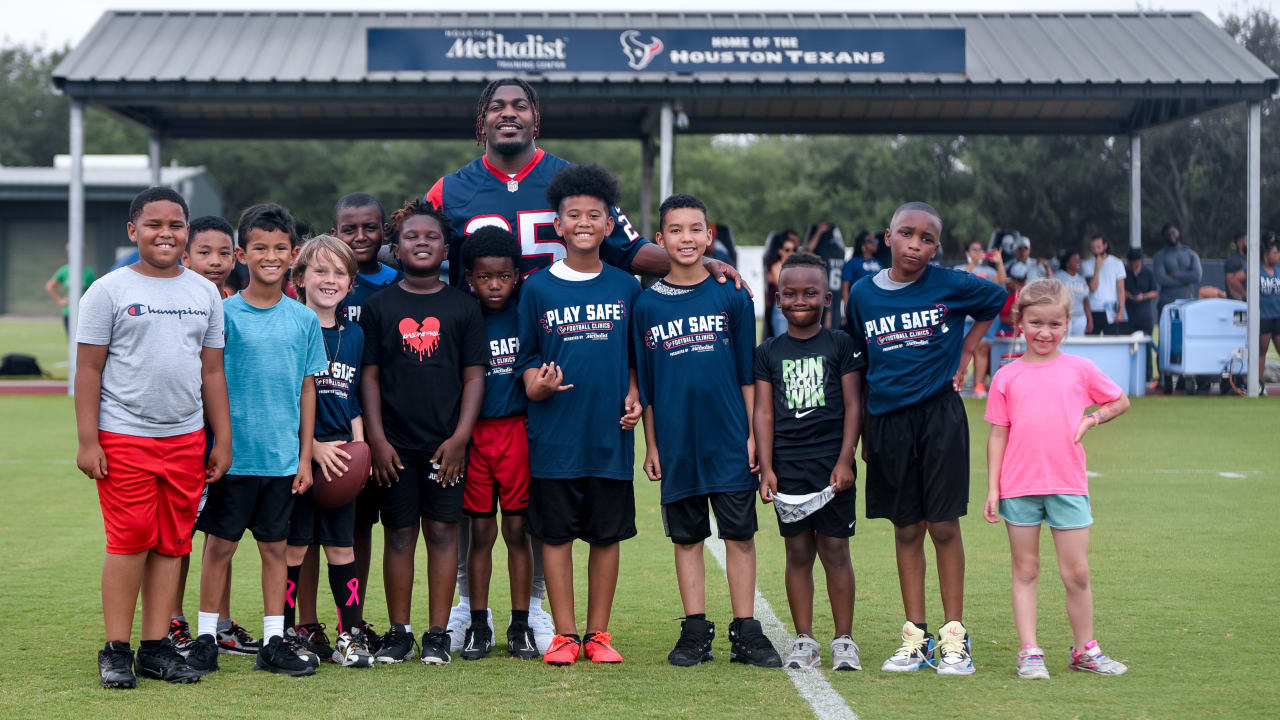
column 1202, row 341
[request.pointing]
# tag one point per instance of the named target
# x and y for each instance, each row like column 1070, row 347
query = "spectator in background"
column 1105, row 273
column 60, row 283
column 1177, row 268
column 1269, row 302
column 1140, row 301
column 988, row 265
column 1234, row 268
column 862, row 264
column 1031, row 269
column 1070, row 275
column 883, row 253
column 826, row 242
column 790, row 241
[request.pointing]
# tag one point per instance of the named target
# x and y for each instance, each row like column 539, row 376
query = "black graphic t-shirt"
column 808, row 401
column 420, row 344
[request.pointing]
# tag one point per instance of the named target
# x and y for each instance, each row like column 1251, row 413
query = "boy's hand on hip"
column 842, row 477
column 219, row 462
column 768, row 485
column 451, row 457
column 302, row 481
column 958, row 381
column 92, row 461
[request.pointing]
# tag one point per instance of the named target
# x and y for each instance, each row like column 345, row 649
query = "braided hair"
column 420, row 207
column 486, row 96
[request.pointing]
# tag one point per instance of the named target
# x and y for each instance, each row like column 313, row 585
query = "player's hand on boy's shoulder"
column 768, row 485
column 724, row 272
column 219, row 462
column 991, row 508
column 302, row 480
column 329, row 456
column 92, row 461
column 449, row 459
column 652, row 465
column 842, row 477
column 386, row 463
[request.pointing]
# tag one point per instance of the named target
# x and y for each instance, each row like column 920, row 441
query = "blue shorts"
column 1061, row 512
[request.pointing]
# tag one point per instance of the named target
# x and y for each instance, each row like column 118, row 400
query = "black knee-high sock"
column 291, row 596
column 347, row 595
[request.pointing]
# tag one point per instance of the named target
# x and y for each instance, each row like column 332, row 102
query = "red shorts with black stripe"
column 151, row 492
column 497, row 468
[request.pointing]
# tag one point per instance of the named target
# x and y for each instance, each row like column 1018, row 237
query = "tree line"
column 1055, row 189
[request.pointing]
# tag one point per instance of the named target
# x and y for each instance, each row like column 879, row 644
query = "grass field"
column 43, row 339
column 1185, row 568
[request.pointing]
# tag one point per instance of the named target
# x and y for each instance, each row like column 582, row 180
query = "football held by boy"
column 148, row 370
column 909, row 320
column 807, row 418
column 693, row 340
column 575, row 363
column 424, row 363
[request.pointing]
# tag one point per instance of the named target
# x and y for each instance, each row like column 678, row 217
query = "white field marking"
column 827, row 704
column 37, row 462
column 1091, row 473
column 1161, row 471
column 1230, row 475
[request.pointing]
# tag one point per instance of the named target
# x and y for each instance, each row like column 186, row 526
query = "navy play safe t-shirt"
column 581, row 326
column 693, row 350
column 337, row 388
column 503, row 390
column 913, row 333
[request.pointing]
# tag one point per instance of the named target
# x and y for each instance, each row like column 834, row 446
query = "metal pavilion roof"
column 303, row 74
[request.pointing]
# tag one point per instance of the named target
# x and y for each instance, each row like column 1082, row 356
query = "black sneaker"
column 749, row 645
column 294, row 642
column 521, row 643
column 694, row 645
column 477, row 643
column 115, row 666
column 312, row 636
column 180, row 636
column 203, row 656
column 435, row 647
column 397, row 646
column 164, row 663
column 278, row 657
column 371, row 637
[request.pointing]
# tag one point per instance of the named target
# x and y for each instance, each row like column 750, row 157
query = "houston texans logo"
column 639, row 54
column 650, row 341
column 420, row 338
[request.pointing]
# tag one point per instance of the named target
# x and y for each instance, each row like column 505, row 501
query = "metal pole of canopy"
column 75, row 237
column 1135, row 190
column 153, row 150
column 667, row 122
column 646, row 186
column 1255, row 245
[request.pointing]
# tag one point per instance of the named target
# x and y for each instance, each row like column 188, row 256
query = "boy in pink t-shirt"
column 1036, row 468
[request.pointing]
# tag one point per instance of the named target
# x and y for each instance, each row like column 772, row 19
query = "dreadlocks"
column 420, row 207
column 486, row 96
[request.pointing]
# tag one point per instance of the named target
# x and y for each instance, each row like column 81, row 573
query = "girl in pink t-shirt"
column 1036, row 468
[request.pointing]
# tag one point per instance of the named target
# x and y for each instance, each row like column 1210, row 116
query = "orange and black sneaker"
column 599, row 647
column 180, row 636
column 563, row 650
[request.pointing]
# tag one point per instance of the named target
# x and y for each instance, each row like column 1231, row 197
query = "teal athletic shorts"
column 1061, row 512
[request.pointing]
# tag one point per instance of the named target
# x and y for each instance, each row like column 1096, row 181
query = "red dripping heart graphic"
column 421, row 338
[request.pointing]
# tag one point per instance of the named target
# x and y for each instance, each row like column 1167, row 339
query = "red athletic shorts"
column 150, row 494
column 497, row 468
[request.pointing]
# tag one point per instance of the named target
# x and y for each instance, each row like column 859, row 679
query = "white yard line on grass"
column 827, row 704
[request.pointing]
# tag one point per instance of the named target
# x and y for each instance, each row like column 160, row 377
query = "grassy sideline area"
column 1184, row 568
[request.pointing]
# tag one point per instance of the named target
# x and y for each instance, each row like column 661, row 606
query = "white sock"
column 408, row 628
column 535, row 603
column 464, row 601
column 272, row 626
column 207, row 624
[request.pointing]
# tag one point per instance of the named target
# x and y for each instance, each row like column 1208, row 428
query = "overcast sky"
column 55, row 22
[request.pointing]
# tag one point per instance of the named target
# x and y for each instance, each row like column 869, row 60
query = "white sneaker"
column 459, row 621
column 844, row 654
column 544, row 629
column 1031, row 664
column 954, row 650
column 804, row 653
column 917, row 651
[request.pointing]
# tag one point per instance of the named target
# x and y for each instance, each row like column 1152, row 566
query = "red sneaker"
column 563, row 650
column 598, row 646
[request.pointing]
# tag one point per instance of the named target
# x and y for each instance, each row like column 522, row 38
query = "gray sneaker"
column 844, row 654
column 804, row 653
column 1031, row 664
column 1092, row 660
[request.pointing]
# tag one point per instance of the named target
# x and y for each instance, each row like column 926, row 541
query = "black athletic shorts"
column 334, row 527
column 261, row 505
column 1269, row 326
column 837, row 518
column 367, row 503
column 918, row 462
column 416, row 495
column 601, row 511
column 687, row 520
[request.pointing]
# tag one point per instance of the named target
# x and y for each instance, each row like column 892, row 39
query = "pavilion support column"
column 1135, row 190
column 75, row 237
column 1255, row 245
column 646, row 186
column 154, row 147
column 667, row 135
